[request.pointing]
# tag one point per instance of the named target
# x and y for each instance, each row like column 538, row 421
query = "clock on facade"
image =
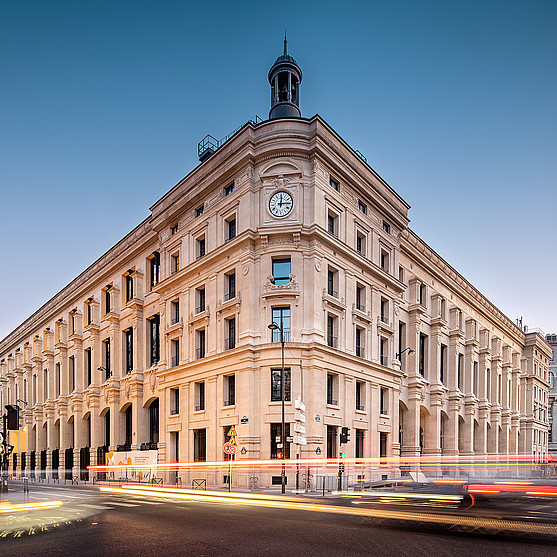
column 281, row 204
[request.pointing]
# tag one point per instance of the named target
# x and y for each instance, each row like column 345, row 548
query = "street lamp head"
column 274, row 327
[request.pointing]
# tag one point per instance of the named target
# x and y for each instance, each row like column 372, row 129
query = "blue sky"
column 453, row 103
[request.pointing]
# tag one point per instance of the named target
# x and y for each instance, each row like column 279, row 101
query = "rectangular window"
column 199, row 211
column 281, row 316
column 332, row 282
column 281, row 271
column 332, row 388
column 386, row 227
column 384, row 401
column 359, row 342
column 88, row 366
column 72, row 374
column 173, row 229
column 200, row 396
column 359, row 443
column 488, row 384
column 422, row 355
column 58, row 380
column 154, row 339
column 228, row 189
column 230, row 229
column 332, row 224
column 230, row 285
column 154, row 269
column 459, row 370
column 89, row 311
column 475, row 379
column 174, row 312
column 175, row 352
column 200, row 349
column 107, row 299
column 422, row 293
column 277, row 446
column 384, row 310
column 174, row 402
column 384, row 260
column 360, row 243
column 383, row 351
column 276, row 385
column 334, row 184
column 443, row 363
column 128, row 347
column 360, row 393
column 230, row 333
column 331, row 441
column 360, row 297
column 200, row 247
column 230, row 390
column 331, row 331
column 129, row 286
column 401, row 274
column 383, row 444
column 200, row 445
column 174, row 263
column 200, row 300
column 106, row 359
column 362, row 207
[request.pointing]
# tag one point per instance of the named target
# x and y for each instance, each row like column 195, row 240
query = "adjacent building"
column 164, row 342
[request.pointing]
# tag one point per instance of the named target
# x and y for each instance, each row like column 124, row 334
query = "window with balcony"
column 281, row 270
column 383, row 351
column 200, row 300
column 384, row 259
column 360, row 336
column 360, row 297
column 281, row 316
column 230, row 286
column 200, row 247
column 200, row 344
column 174, row 263
column 332, row 339
column 230, row 228
column 332, row 223
column 174, row 312
column 332, row 282
column 360, row 243
column 174, row 352
column 276, row 385
column 230, row 333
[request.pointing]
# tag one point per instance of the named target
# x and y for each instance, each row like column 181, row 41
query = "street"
column 94, row 523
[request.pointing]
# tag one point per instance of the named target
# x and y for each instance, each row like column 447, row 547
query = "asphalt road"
column 121, row 525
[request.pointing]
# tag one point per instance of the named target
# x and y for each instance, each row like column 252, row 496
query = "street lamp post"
column 274, row 327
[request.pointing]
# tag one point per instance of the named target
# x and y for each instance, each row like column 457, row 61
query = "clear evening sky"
column 453, row 104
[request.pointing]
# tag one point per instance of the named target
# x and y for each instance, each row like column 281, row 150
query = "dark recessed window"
column 199, row 211
column 200, row 247
column 334, row 184
column 154, row 268
column 386, row 227
column 362, row 207
column 174, row 229
column 276, row 386
column 231, row 229
column 229, row 189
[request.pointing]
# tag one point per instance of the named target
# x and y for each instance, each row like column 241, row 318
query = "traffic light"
column 344, row 435
column 12, row 417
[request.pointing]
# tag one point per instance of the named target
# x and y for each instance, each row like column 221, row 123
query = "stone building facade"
column 163, row 342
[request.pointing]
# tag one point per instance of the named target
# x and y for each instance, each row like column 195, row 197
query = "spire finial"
column 285, row 41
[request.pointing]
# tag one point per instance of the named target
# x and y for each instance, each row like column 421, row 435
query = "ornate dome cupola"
column 285, row 77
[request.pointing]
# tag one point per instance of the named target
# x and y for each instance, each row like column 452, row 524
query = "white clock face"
column 281, row 204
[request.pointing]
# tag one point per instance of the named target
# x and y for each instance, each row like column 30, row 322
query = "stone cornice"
column 420, row 252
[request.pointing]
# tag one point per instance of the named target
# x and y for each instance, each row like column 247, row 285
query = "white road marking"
column 123, row 504
column 100, row 507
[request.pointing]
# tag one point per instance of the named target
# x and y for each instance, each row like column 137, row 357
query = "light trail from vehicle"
column 20, row 507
